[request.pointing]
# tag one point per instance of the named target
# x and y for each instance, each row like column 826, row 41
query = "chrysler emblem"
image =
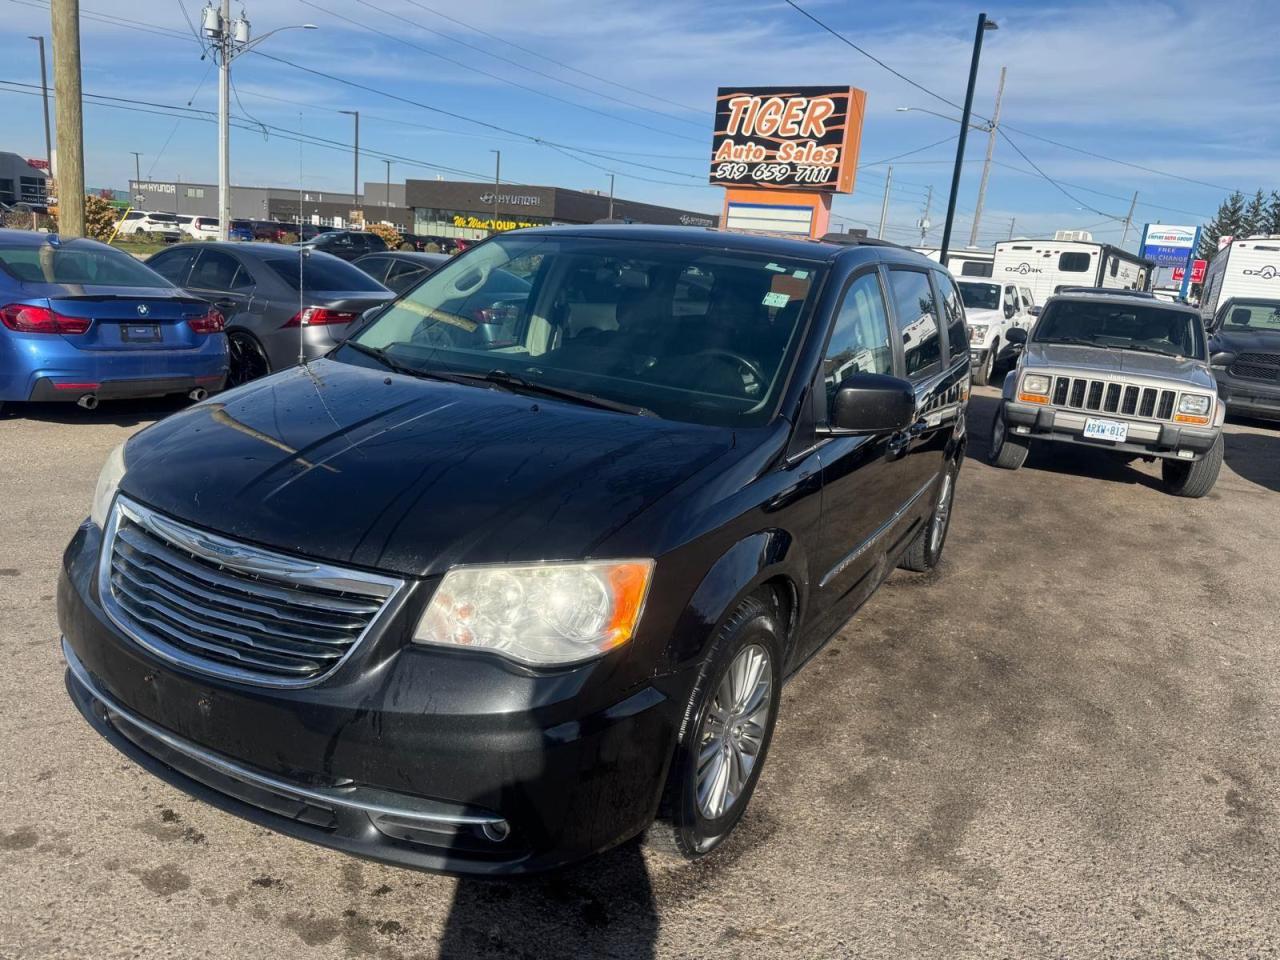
column 143, row 309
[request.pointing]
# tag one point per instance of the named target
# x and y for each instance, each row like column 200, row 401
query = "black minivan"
column 492, row 600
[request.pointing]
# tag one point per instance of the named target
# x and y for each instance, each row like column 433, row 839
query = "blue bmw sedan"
column 81, row 321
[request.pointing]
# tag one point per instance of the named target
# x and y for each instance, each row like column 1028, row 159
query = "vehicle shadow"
column 1073, row 459
column 1256, row 457
column 603, row 907
column 122, row 413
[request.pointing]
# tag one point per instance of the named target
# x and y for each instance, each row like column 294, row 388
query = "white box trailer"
column 966, row 262
column 1048, row 265
column 1248, row 267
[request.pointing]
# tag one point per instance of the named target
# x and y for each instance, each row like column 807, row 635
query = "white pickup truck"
column 991, row 309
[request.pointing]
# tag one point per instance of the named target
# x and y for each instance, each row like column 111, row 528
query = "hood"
column 1245, row 341
column 1181, row 372
column 983, row 316
column 354, row 465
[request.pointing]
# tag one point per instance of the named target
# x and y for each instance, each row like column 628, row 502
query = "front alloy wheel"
column 926, row 550
column 728, row 723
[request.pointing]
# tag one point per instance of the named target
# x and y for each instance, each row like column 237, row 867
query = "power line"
column 524, row 66
column 1061, row 189
column 558, row 63
column 1100, row 193
column 493, row 76
column 927, row 146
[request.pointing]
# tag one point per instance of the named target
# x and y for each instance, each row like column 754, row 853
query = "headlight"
column 1036, row 385
column 539, row 613
column 978, row 331
column 1194, row 405
column 108, row 482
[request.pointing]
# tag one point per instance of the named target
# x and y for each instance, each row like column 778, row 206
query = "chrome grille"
column 1257, row 366
column 230, row 609
column 1108, row 396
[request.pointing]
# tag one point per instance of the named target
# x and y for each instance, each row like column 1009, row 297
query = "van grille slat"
column 232, row 609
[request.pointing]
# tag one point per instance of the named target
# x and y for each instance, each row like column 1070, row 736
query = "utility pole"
column 611, row 196
column 137, row 170
column 66, row 80
column 924, row 220
column 884, row 204
column 986, row 166
column 355, row 177
column 983, row 26
column 44, row 90
column 229, row 38
column 497, row 179
column 1128, row 220
column 387, row 201
column 1012, row 221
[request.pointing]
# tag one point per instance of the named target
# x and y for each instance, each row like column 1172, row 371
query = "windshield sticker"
column 775, row 268
column 801, row 274
column 772, row 299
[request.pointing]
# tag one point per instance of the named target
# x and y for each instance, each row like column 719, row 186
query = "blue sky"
column 1182, row 87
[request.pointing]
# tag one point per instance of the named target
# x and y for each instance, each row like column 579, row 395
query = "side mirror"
column 1034, row 311
column 1222, row 359
column 873, row 403
column 1015, row 335
column 1009, row 311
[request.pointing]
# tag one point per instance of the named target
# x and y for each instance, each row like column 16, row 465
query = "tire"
column 1007, row 452
column 985, row 372
column 1193, row 479
column 247, row 359
column 926, row 549
column 696, row 816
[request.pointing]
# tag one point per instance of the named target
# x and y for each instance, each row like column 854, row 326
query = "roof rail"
column 854, row 240
column 1110, row 292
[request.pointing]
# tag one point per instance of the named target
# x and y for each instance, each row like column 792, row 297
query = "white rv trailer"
column 1248, row 267
column 963, row 262
column 1048, row 265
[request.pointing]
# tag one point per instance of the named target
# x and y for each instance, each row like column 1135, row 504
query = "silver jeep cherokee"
column 1118, row 370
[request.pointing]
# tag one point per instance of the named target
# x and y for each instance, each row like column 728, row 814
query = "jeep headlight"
column 108, row 483
column 978, row 331
column 1036, row 385
column 539, row 614
column 1196, row 406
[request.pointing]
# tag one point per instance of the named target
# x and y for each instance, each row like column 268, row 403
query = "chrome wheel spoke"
column 733, row 731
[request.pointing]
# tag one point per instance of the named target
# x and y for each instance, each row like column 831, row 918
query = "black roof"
column 799, row 249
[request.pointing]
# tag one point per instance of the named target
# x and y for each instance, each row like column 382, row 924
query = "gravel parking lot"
column 1065, row 743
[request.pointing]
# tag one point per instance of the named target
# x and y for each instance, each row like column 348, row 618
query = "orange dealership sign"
column 787, row 138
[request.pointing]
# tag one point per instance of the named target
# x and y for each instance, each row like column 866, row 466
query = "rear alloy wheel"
column 1007, row 452
column 248, row 362
column 926, row 550
column 728, row 725
column 986, row 369
column 1194, row 479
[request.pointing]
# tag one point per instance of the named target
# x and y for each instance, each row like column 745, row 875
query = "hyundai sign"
column 1168, row 246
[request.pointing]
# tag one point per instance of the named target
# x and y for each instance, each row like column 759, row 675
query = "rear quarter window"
column 322, row 271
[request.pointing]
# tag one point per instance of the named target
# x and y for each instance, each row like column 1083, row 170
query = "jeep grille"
column 1104, row 396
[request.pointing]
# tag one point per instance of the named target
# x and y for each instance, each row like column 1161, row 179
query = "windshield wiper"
column 511, row 381
column 1079, row 342
column 1160, row 353
column 380, row 354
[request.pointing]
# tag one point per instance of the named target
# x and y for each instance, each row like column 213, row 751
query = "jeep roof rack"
column 854, row 240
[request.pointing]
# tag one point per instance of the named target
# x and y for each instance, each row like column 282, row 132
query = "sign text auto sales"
column 787, row 137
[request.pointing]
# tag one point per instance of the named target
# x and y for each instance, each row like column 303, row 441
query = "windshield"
column 1253, row 315
column 980, row 296
column 1148, row 327
column 80, row 262
column 691, row 333
column 323, row 272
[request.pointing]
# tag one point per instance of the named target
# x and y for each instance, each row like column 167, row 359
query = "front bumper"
column 1252, row 398
column 455, row 763
column 1146, row 438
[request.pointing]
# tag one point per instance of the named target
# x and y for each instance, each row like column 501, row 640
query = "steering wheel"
column 737, row 360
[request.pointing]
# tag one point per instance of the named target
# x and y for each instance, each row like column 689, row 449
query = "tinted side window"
column 404, row 274
column 953, row 310
column 1027, row 301
column 860, row 338
column 917, row 316
column 972, row 268
column 173, row 265
column 375, row 267
column 218, row 271
column 1073, row 262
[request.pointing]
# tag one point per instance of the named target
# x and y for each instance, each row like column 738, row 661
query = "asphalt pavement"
column 1063, row 743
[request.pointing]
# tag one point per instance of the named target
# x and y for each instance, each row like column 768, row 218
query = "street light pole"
column 230, row 39
column 884, row 204
column 387, row 201
column 355, row 150
column 983, row 26
column 137, row 169
column 44, row 91
column 986, row 166
column 611, row 196
column 497, row 179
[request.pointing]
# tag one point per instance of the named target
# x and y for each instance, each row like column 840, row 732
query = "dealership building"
column 456, row 208
column 380, row 202
column 20, row 182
